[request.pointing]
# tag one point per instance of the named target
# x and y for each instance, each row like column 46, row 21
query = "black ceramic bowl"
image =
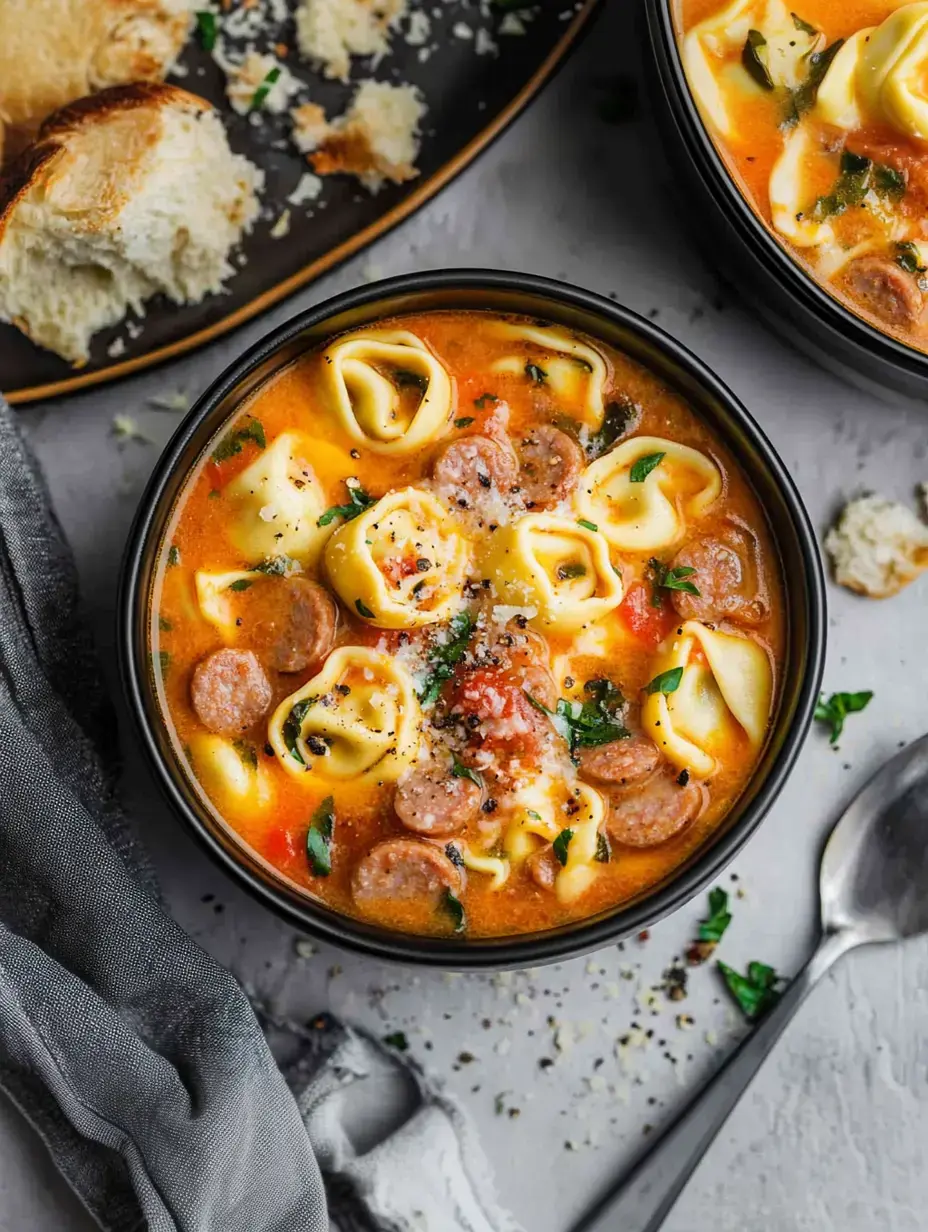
column 650, row 346
column 750, row 255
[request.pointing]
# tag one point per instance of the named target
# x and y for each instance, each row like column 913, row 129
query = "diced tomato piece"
column 648, row 623
column 507, row 717
column 280, row 846
column 398, row 568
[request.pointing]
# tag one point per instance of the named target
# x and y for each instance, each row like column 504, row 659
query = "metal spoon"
column 874, row 888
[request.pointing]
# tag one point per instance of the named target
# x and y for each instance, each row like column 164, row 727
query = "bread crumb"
column 419, row 29
column 310, row 127
column 116, row 348
column 259, row 83
column 377, row 139
column 281, row 227
column 330, row 32
column 308, row 189
column 877, row 547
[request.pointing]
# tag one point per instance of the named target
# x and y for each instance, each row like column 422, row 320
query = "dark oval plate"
column 470, row 98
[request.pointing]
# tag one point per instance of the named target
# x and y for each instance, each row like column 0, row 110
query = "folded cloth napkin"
column 137, row 1058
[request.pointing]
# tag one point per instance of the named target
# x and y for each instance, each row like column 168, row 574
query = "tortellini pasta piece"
column 491, row 866
column 712, row 51
column 358, row 719
column 390, row 393
column 574, row 370
column 556, row 570
column 891, row 73
column 724, row 695
column 579, row 872
column 230, row 775
column 276, row 503
column 791, row 199
column 532, row 811
column 838, row 100
column 644, row 512
column 214, row 595
column 402, row 563
column 539, row 815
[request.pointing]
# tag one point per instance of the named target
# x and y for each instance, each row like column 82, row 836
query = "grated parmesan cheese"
column 330, row 32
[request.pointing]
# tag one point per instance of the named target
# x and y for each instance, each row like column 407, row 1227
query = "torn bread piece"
column 377, row 139
column 330, row 32
column 126, row 194
column 259, row 83
column 310, row 127
column 55, row 51
column 877, row 547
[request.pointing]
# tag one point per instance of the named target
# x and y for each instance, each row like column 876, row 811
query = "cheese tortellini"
column 572, row 369
column 276, row 502
column 214, row 596
column 643, row 505
column 230, row 774
column 540, row 814
column 390, row 393
column 495, row 867
column 358, row 719
column 556, row 569
column 402, row 563
column 724, row 695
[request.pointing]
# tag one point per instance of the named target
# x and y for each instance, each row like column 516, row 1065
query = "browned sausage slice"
column 230, row 691
column 622, row 763
column 431, row 801
column 654, row 811
column 469, row 468
column 543, row 867
column 886, row 290
column 289, row 621
column 404, row 870
column 727, row 577
column 550, row 463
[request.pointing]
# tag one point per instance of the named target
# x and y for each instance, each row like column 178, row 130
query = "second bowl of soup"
column 468, row 619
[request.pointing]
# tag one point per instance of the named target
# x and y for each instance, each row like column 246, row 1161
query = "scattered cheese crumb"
column 281, row 227
column 330, row 32
column 126, row 429
column 116, row 348
column 877, row 547
column 419, row 29
column 308, row 189
column 461, row 30
column 512, row 23
column 176, row 401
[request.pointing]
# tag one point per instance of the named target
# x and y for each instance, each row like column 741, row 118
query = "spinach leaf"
column 594, row 722
column 666, row 578
column 665, row 682
column 276, row 566
column 460, row 771
column 908, row 258
column 755, row 992
column 240, row 584
column 804, row 26
column 574, row 569
column 644, row 466
column 560, row 845
column 358, row 501
column 444, row 657
column 319, row 838
column 485, row 400
column 455, row 909
column 464, row 422
column 404, row 379
column 802, row 99
column 292, row 727
column 838, row 707
column 615, row 424
column 363, row 609
column 247, row 753
column 754, row 58
column 233, row 443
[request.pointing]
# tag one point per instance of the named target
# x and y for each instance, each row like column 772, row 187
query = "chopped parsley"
column 838, row 707
column 207, row 28
column 464, row 422
column 247, row 753
column 587, row 524
column 240, row 584
column 603, row 850
column 264, row 89
column 666, row 578
column 560, row 845
column 455, row 909
column 803, row 98
column 164, row 625
column 397, row 1040
column 591, row 723
column 319, row 838
column 615, row 424
column 908, row 258
column 665, row 682
column 234, row 442
column 713, row 928
column 573, row 570
column 173, row 555
column 460, row 771
column 293, row 725
column 444, row 657
column 276, row 566
column 363, row 609
column 755, row 992
column 485, row 400
column 164, row 661
column 644, row 466
column 754, row 57
column 536, row 374
column 358, row 501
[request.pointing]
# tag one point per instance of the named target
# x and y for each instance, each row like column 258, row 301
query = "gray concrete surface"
column 832, row 1134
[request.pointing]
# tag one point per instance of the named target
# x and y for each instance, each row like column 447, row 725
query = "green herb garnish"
column 455, row 909
column 719, row 919
column 838, row 707
column 755, row 992
column 464, row 422
column 164, row 625
column 276, row 566
column 173, row 555
column 850, row 188
column 319, row 838
column 444, row 657
column 603, row 850
column 560, row 845
column 754, row 58
column 264, row 89
column 485, row 400
column 574, row 570
column 594, row 722
column 358, row 501
column 403, row 378
column 247, row 753
column 666, row 578
column 240, row 584
column 460, row 771
column 644, row 466
column 397, row 1040
column 293, row 726
column 888, row 181
column 536, row 374
column 363, row 609
column 207, row 28
column 233, row 443
column 802, row 99
column 666, row 682
column 615, row 424
column 908, row 258
column 587, row 524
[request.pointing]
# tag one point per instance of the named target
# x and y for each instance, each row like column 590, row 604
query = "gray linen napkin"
column 137, row 1058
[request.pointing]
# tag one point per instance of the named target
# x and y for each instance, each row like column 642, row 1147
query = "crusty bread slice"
column 125, row 194
column 55, row 51
column 877, row 547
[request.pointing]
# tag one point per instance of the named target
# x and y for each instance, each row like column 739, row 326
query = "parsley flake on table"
column 358, row 501
column 835, row 710
column 264, row 89
column 397, row 1040
column 713, row 928
column 445, row 656
column 754, row 992
column 319, row 838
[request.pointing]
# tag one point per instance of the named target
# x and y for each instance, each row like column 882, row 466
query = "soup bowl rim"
column 307, row 913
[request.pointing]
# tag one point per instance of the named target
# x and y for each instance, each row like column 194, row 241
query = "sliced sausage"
column 727, row 577
column 429, row 800
column 230, row 691
column 654, row 811
column 621, row 763
column 470, row 468
column 543, row 867
column 550, row 465
column 289, row 621
column 886, row 290
column 404, row 870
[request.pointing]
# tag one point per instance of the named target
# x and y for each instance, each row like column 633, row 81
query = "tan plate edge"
column 428, row 189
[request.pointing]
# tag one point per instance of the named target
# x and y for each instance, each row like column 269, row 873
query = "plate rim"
column 350, row 247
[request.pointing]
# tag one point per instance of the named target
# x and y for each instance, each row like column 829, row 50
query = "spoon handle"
column 642, row 1200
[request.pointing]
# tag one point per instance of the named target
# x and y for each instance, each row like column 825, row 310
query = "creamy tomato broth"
column 467, row 624
column 821, row 111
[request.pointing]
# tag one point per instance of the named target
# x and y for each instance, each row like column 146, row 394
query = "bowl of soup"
column 799, row 134
column 469, row 620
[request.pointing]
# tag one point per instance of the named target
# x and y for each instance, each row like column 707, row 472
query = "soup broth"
column 466, row 624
